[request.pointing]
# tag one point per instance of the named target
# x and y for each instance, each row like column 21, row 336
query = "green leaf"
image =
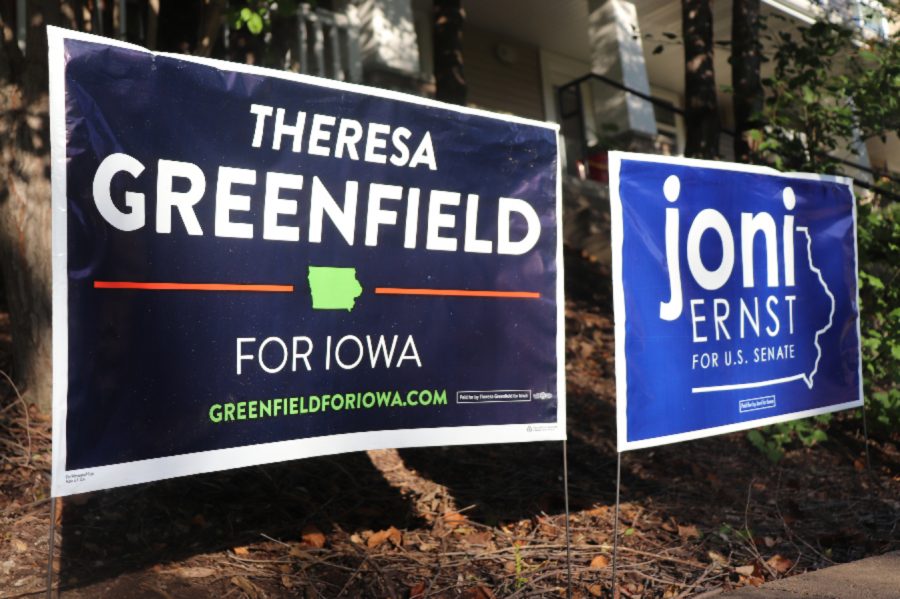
column 756, row 439
column 868, row 55
column 255, row 24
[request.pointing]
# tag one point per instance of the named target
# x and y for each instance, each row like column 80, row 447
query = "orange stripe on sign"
column 457, row 293
column 192, row 286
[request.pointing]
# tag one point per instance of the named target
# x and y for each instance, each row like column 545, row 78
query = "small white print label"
column 494, row 396
column 78, row 477
column 757, row 403
column 540, row 428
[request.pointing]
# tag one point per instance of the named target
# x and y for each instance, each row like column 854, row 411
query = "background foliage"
column 829, row 87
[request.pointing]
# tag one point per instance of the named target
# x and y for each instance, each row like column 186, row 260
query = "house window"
column 669, row 124
column 869, row 16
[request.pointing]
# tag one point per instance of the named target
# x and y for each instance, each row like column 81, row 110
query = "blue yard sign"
column 252, row 266
column 735, row 295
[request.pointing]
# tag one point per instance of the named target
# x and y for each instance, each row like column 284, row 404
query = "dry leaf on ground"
column 312, row 536
column 599, row 562
column 688, row 532
column 780, row 563
column 391, row 534
column 483, row 538
column 745, row 570
column 599, row 512
column 195, row 572
column 454, row 519
column 417, row 591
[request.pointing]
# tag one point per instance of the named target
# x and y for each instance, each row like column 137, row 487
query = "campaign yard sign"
column 252, row 266
column 735, row 297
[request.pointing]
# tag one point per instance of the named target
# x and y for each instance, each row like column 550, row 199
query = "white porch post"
column 21, row 24
column 617, row 53
column 388, row 42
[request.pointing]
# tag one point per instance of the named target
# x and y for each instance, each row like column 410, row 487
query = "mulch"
column 477, row 522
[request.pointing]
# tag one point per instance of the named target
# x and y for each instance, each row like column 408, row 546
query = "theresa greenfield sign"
column 254, row 266
column 735, row 297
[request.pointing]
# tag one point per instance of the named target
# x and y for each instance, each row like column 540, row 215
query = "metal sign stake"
column 866, row 438
column 52, row 544
column 616, row 523
column 568, row 534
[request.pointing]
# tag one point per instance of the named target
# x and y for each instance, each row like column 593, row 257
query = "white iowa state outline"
column 808, row 379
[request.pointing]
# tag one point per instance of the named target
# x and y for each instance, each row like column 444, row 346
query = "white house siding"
column 513, row 86
column 885, row 155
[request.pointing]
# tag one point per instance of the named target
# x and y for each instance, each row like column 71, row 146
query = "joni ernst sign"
column 735, row 294
column 252, row 266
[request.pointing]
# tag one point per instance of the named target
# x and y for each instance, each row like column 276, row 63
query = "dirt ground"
column 478, row 522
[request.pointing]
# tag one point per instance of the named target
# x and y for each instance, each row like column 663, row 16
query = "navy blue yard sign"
column 252, row 266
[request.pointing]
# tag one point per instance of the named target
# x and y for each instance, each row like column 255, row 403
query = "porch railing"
column 328, row 44
column 588, row 135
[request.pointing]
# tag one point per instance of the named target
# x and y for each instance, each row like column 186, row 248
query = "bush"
column 827, row 86
column 879, row 281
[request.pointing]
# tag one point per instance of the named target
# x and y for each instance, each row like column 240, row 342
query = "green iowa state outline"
column 333, row 288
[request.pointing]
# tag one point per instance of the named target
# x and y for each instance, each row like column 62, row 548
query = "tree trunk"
column 449, row 18
column 25, row 207
column 152, row 23
column 210, row 25
column 25, row 214
column 701, row 106
column 745, row 79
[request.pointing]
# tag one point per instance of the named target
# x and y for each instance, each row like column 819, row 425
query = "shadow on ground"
column 107, row 533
